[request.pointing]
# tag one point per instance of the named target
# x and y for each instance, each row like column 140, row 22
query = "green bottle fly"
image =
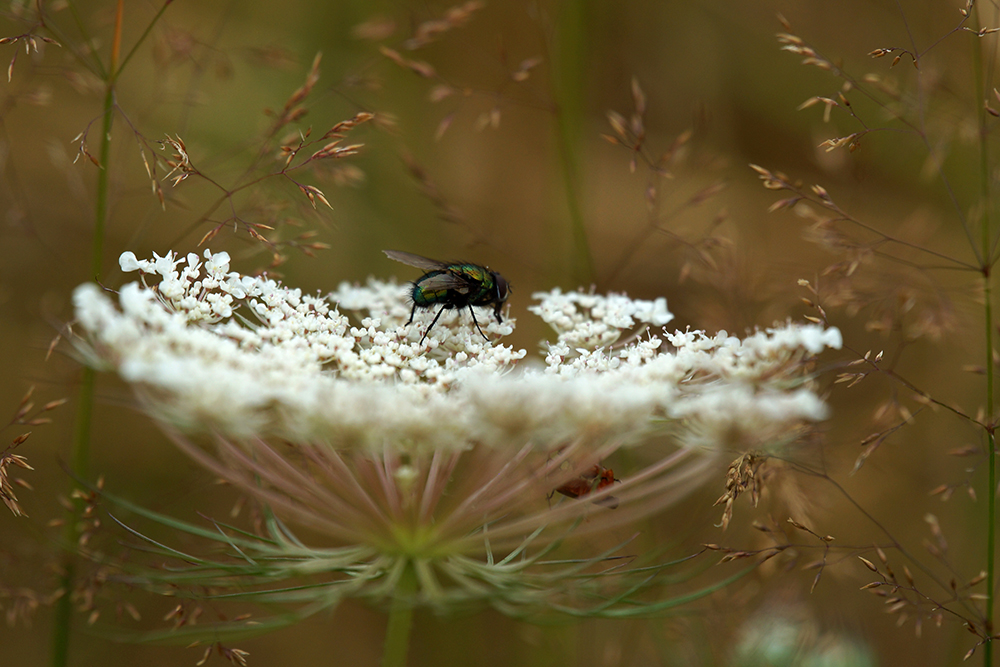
column 453, row 285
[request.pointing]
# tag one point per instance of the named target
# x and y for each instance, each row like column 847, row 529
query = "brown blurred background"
column 207, row 73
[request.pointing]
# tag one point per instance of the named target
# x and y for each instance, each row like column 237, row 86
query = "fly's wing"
column 415, row 260
column 446, row 280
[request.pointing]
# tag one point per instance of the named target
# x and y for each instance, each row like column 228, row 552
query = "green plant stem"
column 80, row 454
column 568, row 86
column 397, row 634
column 991, row 550
column 79, row 464
column 991, row 495
column 62, row 617
column 103, row 181
column 991, row 463
column 987, row 272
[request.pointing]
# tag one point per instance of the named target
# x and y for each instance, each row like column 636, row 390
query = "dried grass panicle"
column 293, row 110
column 899, row 298
column 179, row 162
column 454, row 17
column 495, row 97
column 905, row 598
column 27, row 414
column 296, row 152
column 892, row 280
column 8, row 459
column 20, row 604
column 88, row 501
column 631, row 133
column 234, row 656
column 419, row 67
column 795, row 44
column 31, row 42
column 741, row 476
column 660, row 166
column 872, row 86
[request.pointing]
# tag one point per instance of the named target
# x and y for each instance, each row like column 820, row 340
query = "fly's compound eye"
column 503, row 288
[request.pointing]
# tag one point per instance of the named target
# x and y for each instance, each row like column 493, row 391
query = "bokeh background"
column 480, row 173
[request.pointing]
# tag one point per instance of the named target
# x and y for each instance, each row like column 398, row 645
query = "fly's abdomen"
column 425, row 296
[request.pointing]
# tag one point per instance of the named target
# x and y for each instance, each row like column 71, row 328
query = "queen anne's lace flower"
column 332, row 411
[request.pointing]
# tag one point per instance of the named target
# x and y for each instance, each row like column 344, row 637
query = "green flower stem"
column 103, row 181
column 991, row 463
column 987, row 266
column 80, row 454
column 397, row 634
column 79, row 463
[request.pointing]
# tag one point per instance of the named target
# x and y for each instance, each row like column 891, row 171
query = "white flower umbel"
column 437, row 454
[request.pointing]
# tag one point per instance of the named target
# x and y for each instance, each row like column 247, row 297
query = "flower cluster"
column 210, row 349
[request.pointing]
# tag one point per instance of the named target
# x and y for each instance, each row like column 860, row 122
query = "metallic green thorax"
column 479, row 288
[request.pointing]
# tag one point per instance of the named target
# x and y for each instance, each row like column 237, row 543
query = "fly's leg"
column 433, row 322
column 474, row 321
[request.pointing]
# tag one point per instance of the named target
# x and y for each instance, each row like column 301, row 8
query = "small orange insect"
column 597, row 478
